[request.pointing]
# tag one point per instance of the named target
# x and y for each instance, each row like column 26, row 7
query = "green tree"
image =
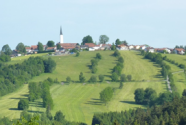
column 6, row 50
column 123, row 78
column 106, row 95
column 124, row 42
column 101, row 78
column 87, row 39
column 184, row 93
column 121, row 85
column 150, row 96
column 116, row 53
column 93, row 79
column 98, row 56
column 50, row 65
column 94, row 69
column 59, row 117
column 139, row 95
column 40, row 46
column 48, row 113
column 50, row 44
column 103, row 39
column 77, row 54
column 117, row 42
column 113, row 47
column 81, row 78
column 114, row 77
column 58, row 46
column 68, row 79
column 23, row 104
column 129, row 77
column 21, row 48
column 120, row 59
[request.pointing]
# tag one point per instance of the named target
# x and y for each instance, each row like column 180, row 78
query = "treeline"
column 94, row 63
column 41, row 90
column 39, row 119
column 4, row 57
column 116, row 72
column 149, row 97
column 175, row 63
column 165, row 69
column 170, row 113
column 13, row 76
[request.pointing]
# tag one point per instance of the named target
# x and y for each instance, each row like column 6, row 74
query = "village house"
column 68, row 46
column 84, row 46
column 90, row 45
column 91, row 49
column 162, row 50
column 180, row 51
column 137, row 47
column 131, row 46
column 105, row 46
column 122, row 47
column 142, row 47
column 149, row 49
column 28, row 49
column 51, row 48
column 34, row 48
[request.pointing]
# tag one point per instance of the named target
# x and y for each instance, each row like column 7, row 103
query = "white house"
column 96, row 47
column 91, row 49
column 137, row 47
column 131, row 47
column 179, row 51
column 122, row 47
column 149, row 49
column 142, row 47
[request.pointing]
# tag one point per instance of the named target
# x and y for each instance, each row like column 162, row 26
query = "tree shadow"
column 25, row 95
column 130, row 102
column 89, row 66
column 94, row 101
column 17, row 98
column 109, row 76
column 13, row 108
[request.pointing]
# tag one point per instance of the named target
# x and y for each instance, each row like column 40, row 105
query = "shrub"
column 120, row 59
column 81, row 77
column 23, row 104
column 93, row 79
column 123, row 78
column 129, row 77
column 98, row 56
column 121, row 85
column 94, row 69
column 101, row 78
column 114, row 77
column 116, row 53
column 68, row 79
column 77, row 54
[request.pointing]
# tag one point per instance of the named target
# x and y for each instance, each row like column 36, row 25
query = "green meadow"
column 80, row 101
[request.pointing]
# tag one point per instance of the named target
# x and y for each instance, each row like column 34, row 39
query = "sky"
column 158, row 23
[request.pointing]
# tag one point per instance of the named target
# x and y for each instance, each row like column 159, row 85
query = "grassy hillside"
column 178, row 58
column 79, row 102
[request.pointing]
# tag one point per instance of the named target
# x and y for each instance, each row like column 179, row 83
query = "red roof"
column 90, row 44
column 179, row 49
column 68, row 45
column 50, row 48
column 34, row 47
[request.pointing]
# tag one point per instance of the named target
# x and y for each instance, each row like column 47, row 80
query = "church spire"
column 61, row 31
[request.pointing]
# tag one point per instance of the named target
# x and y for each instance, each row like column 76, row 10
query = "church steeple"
column 61, row 35
column 61, row 31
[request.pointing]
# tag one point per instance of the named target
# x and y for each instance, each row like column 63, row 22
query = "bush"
column 23, row 104
column 68, row 79
column 98, row 56
column 81, row 77
column 123, row 78
column 116, row 53
column 182, row 66
column 101, row 78
column 120, row 59
column 93, row 79
column 77, row 54
column 114, row 77
column 94, row 69
column 121, row 85
column 129, row 77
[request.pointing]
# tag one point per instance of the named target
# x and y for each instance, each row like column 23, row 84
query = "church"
column 65, row 45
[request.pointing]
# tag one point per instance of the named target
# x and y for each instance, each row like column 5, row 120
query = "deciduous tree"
column 6, row 50
column 103, row 39
column 87, row 39
column 50, row 43
column 106, row 95
column 21, row 48
column 40, row 46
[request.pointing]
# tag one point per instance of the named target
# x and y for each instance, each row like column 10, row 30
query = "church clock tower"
column 61, row 35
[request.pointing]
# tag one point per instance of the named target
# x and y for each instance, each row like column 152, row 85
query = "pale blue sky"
column 158, row 23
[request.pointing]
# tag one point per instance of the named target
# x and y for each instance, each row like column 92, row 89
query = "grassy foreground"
column 79, row 102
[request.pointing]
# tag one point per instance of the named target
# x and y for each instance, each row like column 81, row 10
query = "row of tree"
column 103, row 39
column 13, row 76
column 171, row 112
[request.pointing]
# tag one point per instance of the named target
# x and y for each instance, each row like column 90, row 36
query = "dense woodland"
column 13, row 76
column 169, row 113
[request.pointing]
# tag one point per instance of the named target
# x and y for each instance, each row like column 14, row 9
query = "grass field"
column 181, row 59
column 79, row 102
